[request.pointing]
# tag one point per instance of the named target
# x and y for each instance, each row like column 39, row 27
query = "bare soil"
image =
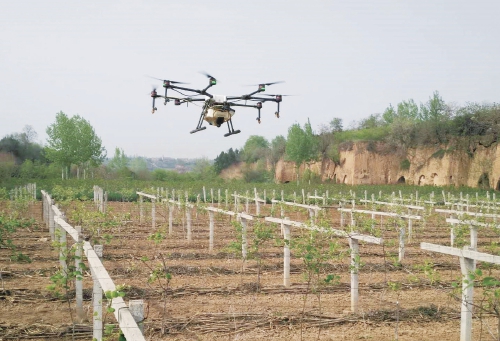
column 214, row 296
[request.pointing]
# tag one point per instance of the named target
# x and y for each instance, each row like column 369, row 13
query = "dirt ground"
column 214, row 296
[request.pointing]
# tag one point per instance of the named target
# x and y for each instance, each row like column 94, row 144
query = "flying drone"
column 216, row 109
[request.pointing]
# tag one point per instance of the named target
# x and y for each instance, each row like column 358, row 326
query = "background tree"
column 224, row 160
column 73, row 141
column 119, row 163
column 389, row 114
column 326, row 138
column 256, row 148
column 408, row 110
column 23, row 146
column 91, row 152
column 139, row 167
column 336, row 125
column 203, row 170
column 301, row 144
column 434, row 109
column 372, row 121
column 277, row 150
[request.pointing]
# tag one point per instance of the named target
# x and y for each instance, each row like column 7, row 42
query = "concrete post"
column 286, row 256
column 80, row 316
column 136, row 308
column 211, row 231
column 97, row 300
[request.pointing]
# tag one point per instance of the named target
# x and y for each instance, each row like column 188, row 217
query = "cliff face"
column 361, row 164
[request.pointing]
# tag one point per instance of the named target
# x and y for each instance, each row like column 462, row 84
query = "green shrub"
column 405, row 164
column 439, row 154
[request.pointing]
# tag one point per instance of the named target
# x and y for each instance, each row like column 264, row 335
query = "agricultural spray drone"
column 216, row 109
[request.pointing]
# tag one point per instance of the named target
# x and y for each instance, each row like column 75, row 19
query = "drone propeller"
column 167, row 81
column 212, row 79
column 275, row 95
column 206, row 74
column 268, row 83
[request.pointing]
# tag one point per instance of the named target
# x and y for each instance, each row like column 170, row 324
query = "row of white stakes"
column 27, row 191
column 285, row 226
column 467, row 256
column 100, row 199
column 472, row 223
column 102, row 281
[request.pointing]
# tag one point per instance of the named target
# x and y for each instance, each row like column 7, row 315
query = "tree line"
column 398, row 128
column 74, row 149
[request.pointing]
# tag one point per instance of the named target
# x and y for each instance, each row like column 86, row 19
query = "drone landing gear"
column 200, row 122
column 231, row 129
column 197, row 130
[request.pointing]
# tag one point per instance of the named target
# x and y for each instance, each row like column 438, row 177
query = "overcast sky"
column 346, row 59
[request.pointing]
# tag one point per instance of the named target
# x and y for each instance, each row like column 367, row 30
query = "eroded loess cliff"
column 440, row 166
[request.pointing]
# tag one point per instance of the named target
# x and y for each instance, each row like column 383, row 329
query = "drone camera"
column 219, row 121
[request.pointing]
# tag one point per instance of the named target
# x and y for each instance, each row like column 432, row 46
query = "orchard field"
column 194, row 293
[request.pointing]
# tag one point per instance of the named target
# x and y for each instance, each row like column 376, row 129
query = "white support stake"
column 401, row 255
column 354, row 245
column 80, row 316
column 97, row 300
column 141, row 210
column 247, row 211
column 211, row 232
column 244, row 238
column 188, row 221
column 467, row 266
column 136, row 308
column 257, row 205
column 286, row 256
column 63, row 248
column 170, row 217
column 153, row 213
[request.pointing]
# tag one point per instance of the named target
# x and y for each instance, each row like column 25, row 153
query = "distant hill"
column 168, row 163
column 180, row 165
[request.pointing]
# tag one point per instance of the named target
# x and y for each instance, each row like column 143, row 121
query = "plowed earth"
column 214, row 296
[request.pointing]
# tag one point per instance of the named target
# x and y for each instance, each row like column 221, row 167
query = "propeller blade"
column 275, row 95
column 267, row 83
column 166, row 80
column 207, row 75
column 274, row 83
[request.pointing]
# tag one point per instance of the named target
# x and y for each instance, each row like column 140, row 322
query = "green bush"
column 405, row 164
column 439, row 154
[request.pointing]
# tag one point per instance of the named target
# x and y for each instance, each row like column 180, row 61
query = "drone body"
column 216, row 109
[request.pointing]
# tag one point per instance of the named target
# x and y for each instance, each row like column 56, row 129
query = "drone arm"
column 242, row 105
column 200, row 92
column 204, row 91
column 258, row 107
